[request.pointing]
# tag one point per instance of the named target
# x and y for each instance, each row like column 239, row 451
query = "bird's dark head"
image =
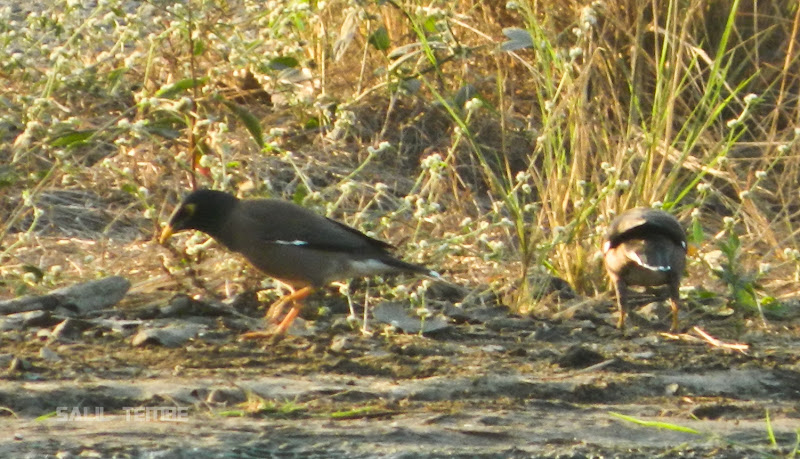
column 203, row 210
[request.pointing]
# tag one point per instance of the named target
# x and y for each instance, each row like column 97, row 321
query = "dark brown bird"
column 302, row 249
column 645, row 247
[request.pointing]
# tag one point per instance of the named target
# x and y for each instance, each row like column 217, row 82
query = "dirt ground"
column 491, row 384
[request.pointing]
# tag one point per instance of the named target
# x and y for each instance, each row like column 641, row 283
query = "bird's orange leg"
column 674, row 302
column 674, row 305
column 296, row 298
column 276, row 309
column 622, row 302
column 287, row 321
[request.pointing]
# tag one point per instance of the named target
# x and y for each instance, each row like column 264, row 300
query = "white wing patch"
column 296, row 242
column 435, row 275
column 635, row 257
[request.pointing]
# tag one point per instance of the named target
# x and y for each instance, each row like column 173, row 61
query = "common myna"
column 287, row 242
column 645, row 247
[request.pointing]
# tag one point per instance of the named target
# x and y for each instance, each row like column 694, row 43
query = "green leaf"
column 115, row 75
column 199, row 47
column 45, row 416
column 656, row 424
column 746, row 296
column 71, row 139
column 698, row 235
column 430, row 24
column 704, row 294
column 250, row 122
column 167, row 125
column 770, row 433
column 300, row 194
column 179, row 86
column 380, row 39
column 283, row 63
column 130, row 189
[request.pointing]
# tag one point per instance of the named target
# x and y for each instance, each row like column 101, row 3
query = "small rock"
column 580, row 327
column 492, row 348
column 494, row 421
column 446, row 291
column 47, row 354
column 38, row 319
column 546, row 332
column 672, row 389
column 645, row 355
column 93, row 295
column 301, row 327
column 169, row 336
column 457, row 313
column 22, row 320
column 70, row 329
column 123, row 327
column 147, row 312
column 579, row 356
column 182, row 305
column 29, row 303
column 5, row 360
column 341, row 343
column 226, row 396
column 585, row 325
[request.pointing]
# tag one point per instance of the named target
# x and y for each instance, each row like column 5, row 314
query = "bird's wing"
column 282, row 222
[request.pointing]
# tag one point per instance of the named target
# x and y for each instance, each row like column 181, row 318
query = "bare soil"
column 507, row 386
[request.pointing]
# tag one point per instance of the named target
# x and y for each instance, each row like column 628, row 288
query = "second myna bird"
column 645, row 247
column 287, row 242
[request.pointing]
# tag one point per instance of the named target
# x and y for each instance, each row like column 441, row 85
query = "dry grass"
column 488, row 140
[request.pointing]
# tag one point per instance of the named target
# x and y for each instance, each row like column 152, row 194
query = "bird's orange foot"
column 277, row 333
